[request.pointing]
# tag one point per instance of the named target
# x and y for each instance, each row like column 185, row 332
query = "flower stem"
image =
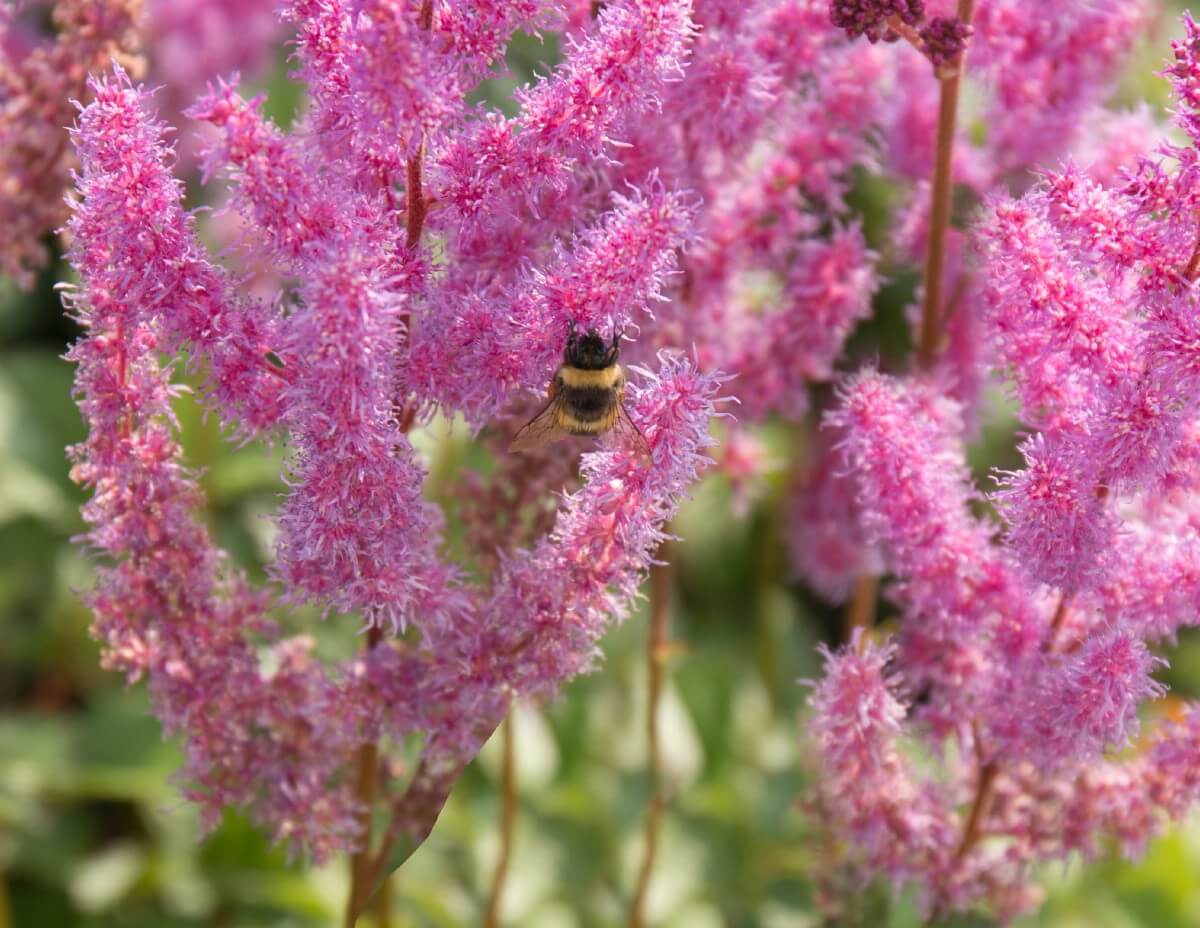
column 906, row 32
column 508, row 817
column 415, row 205
column 5, row 911
column 383, row 905
column 930, row 338
column 1193, row 266
column 366, row 780
column 1056, row 623
column 984, row 789
column 860, row 611
column 657, row 643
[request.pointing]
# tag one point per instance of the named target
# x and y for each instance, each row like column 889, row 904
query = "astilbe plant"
column 382, row 329
column 433, row 254
column 1031, row 650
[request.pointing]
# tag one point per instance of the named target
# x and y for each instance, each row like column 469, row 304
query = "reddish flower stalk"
column 367, row 776
column 657, row 655
column 508, row 818
column 932, row 321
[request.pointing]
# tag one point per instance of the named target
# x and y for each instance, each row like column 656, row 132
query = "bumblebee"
column 585, row 397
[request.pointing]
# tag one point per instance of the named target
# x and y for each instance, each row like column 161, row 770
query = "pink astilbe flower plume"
column 161, row 270
column 334, row 370
column 39, row 76
column 166, row 605
column 1028, row 635
column 900, row 825
column 1090, row 702
column 355, row 533
column 1060, row 528
column 548, row 605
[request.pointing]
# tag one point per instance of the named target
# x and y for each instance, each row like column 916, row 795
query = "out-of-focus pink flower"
column 900, row 825
column 829, row 550
column 165, row 604
column 1043, row 72
column 192, row 42
column 39, row 77
column 1087, row 702
column 827, row 291
column 744, row 461
column 1059, row 528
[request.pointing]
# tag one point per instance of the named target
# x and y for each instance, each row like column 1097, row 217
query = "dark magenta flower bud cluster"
column 869, row 17
column 945, row 39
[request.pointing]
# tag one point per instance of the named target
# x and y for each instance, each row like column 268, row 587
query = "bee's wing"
column 543, row 429
column 626, row 431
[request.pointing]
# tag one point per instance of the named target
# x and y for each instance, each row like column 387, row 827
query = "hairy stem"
column 929, row 341
column 508, row 818
column 367, row 778
column 657, row 642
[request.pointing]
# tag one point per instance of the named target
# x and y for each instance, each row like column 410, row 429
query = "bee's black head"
column 590, row 352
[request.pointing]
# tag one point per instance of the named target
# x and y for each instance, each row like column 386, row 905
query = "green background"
column 92, row 833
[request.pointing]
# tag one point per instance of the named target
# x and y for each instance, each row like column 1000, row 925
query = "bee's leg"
column 612, row 348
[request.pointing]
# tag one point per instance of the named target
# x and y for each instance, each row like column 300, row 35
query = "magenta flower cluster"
column 1025, row 660
column 688, row 175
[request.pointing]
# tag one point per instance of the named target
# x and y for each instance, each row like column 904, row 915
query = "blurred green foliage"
column 94, row 835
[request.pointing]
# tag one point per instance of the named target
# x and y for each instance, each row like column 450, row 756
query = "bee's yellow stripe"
column 577, row 377
column 575, row 426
